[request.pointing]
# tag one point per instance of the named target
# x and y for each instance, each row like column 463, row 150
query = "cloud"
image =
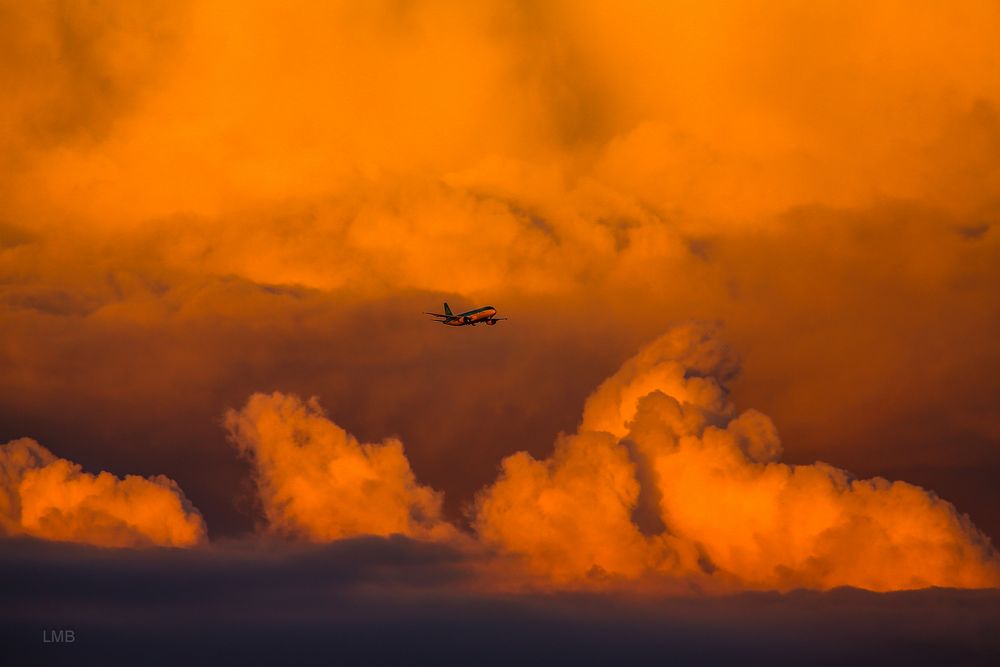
column 242, row 197
column 663, row 482
column 689, row 363
column 662, row 428
column 317, row 481
column 51, row 498
column 571, row 515
column 393, row 600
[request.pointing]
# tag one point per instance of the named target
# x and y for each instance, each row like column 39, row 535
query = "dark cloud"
column 379, row 601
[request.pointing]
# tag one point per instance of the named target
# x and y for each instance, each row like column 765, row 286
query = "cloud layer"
column 396, row 601
column 201, row 201
column 662, row 481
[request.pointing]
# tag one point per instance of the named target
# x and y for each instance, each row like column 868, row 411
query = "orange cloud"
column 217, row 189
column 51, row 498
column 571, row 515
column 660, row 436
column 664, row 482
column 317, row 481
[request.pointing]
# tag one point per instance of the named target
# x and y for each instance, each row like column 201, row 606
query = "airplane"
column 485, row 314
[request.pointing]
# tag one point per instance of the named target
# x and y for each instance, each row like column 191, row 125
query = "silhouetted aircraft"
column 485, row 314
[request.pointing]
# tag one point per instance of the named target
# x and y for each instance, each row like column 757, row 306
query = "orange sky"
column 205, row 201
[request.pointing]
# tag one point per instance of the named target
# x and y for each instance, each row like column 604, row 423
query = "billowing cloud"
column 51, row 498
column 317, row 481
column 571, row 515
column 689, row 363
column 665, row 478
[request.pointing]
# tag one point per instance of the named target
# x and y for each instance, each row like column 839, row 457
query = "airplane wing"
column 439, row 315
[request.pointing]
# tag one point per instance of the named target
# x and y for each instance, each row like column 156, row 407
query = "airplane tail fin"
column 447, row 309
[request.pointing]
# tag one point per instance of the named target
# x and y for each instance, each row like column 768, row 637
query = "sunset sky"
column 749, row 253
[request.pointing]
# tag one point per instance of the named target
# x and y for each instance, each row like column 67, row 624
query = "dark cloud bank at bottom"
column 378, row 601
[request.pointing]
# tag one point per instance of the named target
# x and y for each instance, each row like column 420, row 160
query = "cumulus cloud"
column 690, row 363
column 727, row 510
column 51, row 498
column 571, row 515
column 663, row 482
column 317, row 481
